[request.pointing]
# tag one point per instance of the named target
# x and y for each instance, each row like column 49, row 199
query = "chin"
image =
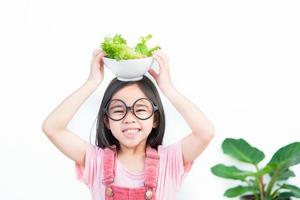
column 133, row 143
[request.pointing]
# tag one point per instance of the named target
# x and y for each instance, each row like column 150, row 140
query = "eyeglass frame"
column 154, row 108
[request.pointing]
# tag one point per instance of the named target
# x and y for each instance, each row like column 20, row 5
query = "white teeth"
column 132, row 131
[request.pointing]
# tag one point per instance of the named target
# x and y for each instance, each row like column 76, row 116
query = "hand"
column 97, row 67
column 163, row 78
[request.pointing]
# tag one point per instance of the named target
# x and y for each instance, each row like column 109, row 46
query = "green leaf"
column 285, row 175
column 242, row 151
column 142, row 47
column 269, row 198
column 116, row 48
column 293, row 189
column 285, row 195
column 230, row 172
column 153, row 49
column 237, row 191
column 284, row 158
column 287, row 156
column 267, row 169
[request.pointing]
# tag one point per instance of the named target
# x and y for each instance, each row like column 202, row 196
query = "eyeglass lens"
column 142, row 109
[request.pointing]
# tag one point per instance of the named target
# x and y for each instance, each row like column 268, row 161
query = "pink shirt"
column 172, row 172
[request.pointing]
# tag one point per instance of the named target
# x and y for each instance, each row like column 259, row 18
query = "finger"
column 99, row 56
column 166, row 57
column 158, row 56
column 162, row 55
column 96, row 52
column 101, row 62
column 101, row 67
column 159, row 60
column 153, row 73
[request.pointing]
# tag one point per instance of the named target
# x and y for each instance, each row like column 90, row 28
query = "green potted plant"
column 263, row 183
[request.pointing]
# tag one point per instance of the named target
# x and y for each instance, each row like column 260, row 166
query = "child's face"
column 129, row 94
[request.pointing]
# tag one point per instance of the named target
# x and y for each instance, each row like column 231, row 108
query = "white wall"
column 237, row 60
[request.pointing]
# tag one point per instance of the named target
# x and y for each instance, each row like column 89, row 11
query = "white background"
column 237, row 60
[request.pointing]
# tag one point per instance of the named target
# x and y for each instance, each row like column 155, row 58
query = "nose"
column 129, row 117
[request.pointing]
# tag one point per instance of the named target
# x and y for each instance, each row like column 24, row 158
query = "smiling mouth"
column 132, row 131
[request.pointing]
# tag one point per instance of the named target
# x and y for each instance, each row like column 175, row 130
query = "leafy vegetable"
column 117, row 48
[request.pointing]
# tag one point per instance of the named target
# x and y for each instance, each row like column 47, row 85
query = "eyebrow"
column 143, row 105
column 119, row 106
column 116, row 106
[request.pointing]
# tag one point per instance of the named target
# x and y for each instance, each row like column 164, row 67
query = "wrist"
column 93, row 83
column 167, row 88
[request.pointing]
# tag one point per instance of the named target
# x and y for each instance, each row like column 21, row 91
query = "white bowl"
column 129, row 70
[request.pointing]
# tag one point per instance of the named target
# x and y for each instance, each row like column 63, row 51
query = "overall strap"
column 109, row 165
column 151, row 167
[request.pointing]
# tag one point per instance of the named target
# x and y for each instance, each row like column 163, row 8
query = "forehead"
column 129, row 94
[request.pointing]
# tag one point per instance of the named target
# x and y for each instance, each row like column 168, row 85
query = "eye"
column 141, row 110
column 118, row 111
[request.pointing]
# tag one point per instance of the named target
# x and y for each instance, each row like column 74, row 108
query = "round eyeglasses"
column 142, row 108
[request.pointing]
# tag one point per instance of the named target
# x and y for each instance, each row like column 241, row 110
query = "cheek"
column 147, row 126
column 114, row 128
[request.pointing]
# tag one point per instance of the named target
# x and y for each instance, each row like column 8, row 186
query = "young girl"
column 129, row 160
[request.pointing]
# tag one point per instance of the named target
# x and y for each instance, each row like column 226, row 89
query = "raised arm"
column 202, row 130
column 55, row 124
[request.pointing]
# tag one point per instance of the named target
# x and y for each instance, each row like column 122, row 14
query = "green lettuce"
column 117, row 48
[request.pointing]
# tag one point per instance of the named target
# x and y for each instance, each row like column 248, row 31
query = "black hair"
column 104, row 137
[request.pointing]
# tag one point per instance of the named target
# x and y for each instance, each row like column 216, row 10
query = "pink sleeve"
column 91, row 168
column 174, row 162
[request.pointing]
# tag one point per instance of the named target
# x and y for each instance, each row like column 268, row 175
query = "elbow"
column 206, row 135
column 45, row 126
column 50, row 131
column 212, row 132
column 46, row 129
column 209, row 136
column 49, row 128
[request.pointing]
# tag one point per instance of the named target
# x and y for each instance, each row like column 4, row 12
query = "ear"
column 106, row 122
column 156, row 120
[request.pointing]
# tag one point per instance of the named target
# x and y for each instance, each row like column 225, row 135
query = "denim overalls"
column 147, row 192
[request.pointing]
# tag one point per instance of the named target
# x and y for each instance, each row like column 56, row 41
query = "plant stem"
column 254, row 191
column 260, row 183
column 275, row 192
column 272, row 182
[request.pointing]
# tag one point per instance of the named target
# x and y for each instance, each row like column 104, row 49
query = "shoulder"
column 172, row 165
column 172, row 154
column 169, row 148
column 93, row 152
column 94, row 148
